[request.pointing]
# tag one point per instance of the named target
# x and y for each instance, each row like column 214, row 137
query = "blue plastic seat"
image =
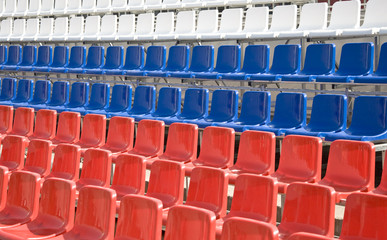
column 286, row 60
column 356, row 59
column 60, row 59
column 121, row 100
column 28, row 58
column 255, row 111
column 177, row 61
column 8, row 90
column 202, row 61
column 168, row 104
column 79, row 97
column 329, row 115
column 114, row 60
column 77, row 60
column 289, row 113
column 3, row 54
column 41, row 94
column 44, row 59
column 134, row 60
column 256, row 60
column 227, row 61
column 99, row 99
column 59, row 96
column 24, row 92
column 224, row 108
column 195, row 106
column 95, row 60
column 14, row 58
column 319, row 60
column 155, row 61
column 369, row 120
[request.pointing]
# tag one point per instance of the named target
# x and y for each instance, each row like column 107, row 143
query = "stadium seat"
column 79, row 96
column 95, row 60
column 34, row 8
column 12, row 153
column 121, row 100
column 319, row 60
column 38, row 158
column 108, row 28
column 256, row 61
column 95, row 215
column 171, row 4
column 6, row 120
column 32, row 29
column 41, row 95
column 308, row 208
column 191, row 3
column 61, row 28
column 18, row 31
column 93, row 133
column 358, row 160
column 164, row 25
column 76, row 29
column 46, row 29
column 8, row 90
column 6, row 29
column 119, row 5
column 29, row 58
column 207, row 22
column 99, row 99
column 256, row 155
column 254, row 198
column 185, row 222
column 344, row 15
column 3, row 54
column 4, row 176
column 66, row 162
column 47, row 7
column 185, row 24
column 149, row 138
column 144, row 25
column 368, row 124
column 92, row 27
column 230, row 22
column 380, row 75
column 286, row 61
column 234, row 228
column 74, row 6
column 178, row 61
column 255, row 111
column 60, row 59
column 55, row 216
column 155, row 61
column 14, row 57
column 136, row 5
column 202, row 61
column 22, row 204
column 60, row 7
column 69, row 125
column 88, row 6
column 10, row 7
column 77, row 60
column 23, row 122
column 126, row 27
column 103, row 6
column 120, row 135
column 300, row 161
column 289, row 113
column 25, row 89
column 45, row 125
column 134, row 60
column 114, row 61
column 329, row 115
column 308, row 236
column 59, row 96
column 44, row 60
column 153, row 4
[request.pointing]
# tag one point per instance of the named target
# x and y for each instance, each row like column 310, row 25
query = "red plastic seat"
column 149, row 138
column 351, row 168
column 56, row 213
column 96, row 169
column 308, row 236
column 300, row 161
column 139, row 218
column 255, row 197
column 364, row 217
column 95, row 216
column 12, row 153
column 248, row 229
column 45, row 125
column 39, row 157
column 66, row 162
column 382, row 188
column 6, row 120
column 256, row 154
column 69, row 127
column 22, row 199
column 4, row 176
column 190, row 223
column 182, row 144
column 129, row 175
column 93, row 132
column 120, row 135
column 23, row 124
column 217, row 149
column 308, row 208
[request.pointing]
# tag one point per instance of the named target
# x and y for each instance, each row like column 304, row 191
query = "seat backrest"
column 150, row 136
column 19, row 27
column 61, row 56
column 92, row 25
column 23, row 121
column 100, row 95
column 119, row 3
column 69, row 125
column 178, row 58
column 6, row 27
column 257, row 19
column 155, row 58
column 95, row 57
column 374, row 16
column 45, row 126
column 329, row 113
column 96, row 212
column 114, row 57
column 256, row 152
column 38, row 158
column 255, row 108
column 88, row 4
column 382, row 66
column 121, row 133
column 231, row 20
column 3, row 54
column 42, row 92
column 308, row 208
column 96, row 169
column 145, row 23
column 6, row 119
column 202, row 59
column 195, row 103
column 144, row 100
column 228, row 59
column 60, row 93
column 14, row 55
column 152, row 2
column 290, row 110
column 134, row 58
column 185, row 22
column 61, row 26
column 364, row 216
column 8, row 88
column 286, row 59
column 126, row 25
column 32, row 27
column 46, row 27
column 224, row 105
column 74, row 4
column 320, row 59
column 169, row 102
column 165, row 23
column 93, row 130
column 136, row 3
column 4, row 174
column 313, row 16
column 44, row 56
column 121, row 99
column 139, row 217
column 76, row 26
column 77, row 57
column 208, row 190
column 60, row 5
column 34, row 7
column 284, row 18
column 10, row 6
column 256, row 59
column 103, row 4
column 12, row 153
column 345, row 14
column 47, row 5
column 29, row 56
column 356, row 59
column 24, row 90
column 207, row 21
column 250, row 230
column 79, row 94
column 66, row 162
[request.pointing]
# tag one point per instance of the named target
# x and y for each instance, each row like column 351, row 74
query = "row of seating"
column 356, row 62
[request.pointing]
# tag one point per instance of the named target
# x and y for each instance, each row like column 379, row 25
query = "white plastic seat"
column 46, row 29
column 126, row 27
column 257, row 20
column 103, row 6
column 164, row 25
column 34, row 8
column 191, row 3
column 6, row 29
column 344, row 15
column 47, row 7
column 61, row 27
column 284, row 18
column 10, row 7
column 207, row 23
column 171, row 4
column 144, row 25
column 120, row 5
column 136, row 5
column 108, row 28
column 214, row 3
column 185, row 24
column 74, row 6
column 153, row 4
column 76, row 29
column 313, row 17
column 60, row 7
column 92, row 28
column 19, row 26
column 88, row 6
column 32, row 29
column 231, row 22
column 239, row 2
column 21, row 8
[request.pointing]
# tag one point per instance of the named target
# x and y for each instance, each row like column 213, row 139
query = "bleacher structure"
column 193, row 119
